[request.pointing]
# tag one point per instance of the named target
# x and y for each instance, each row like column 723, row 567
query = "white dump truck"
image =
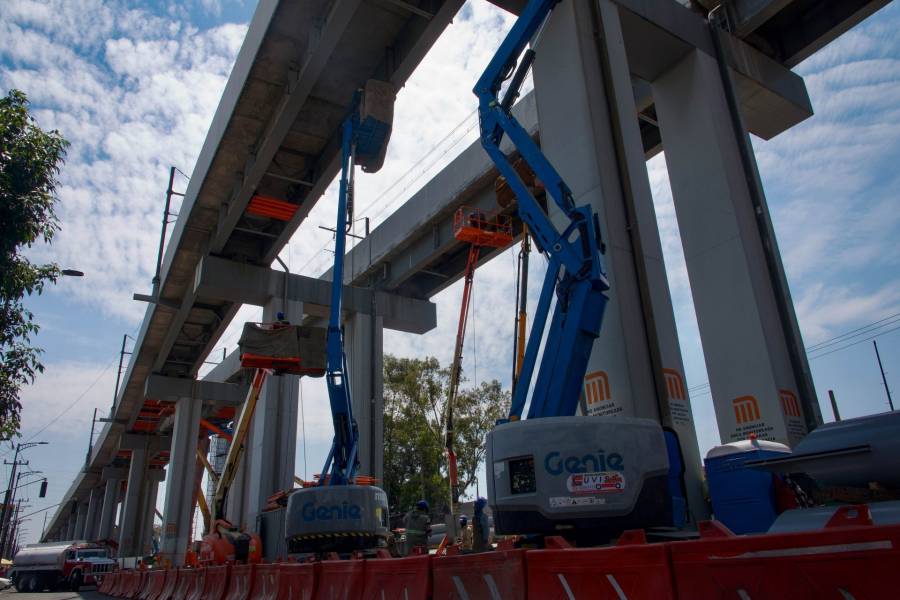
column 38, row 567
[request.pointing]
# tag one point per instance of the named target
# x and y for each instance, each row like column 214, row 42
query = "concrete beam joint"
column 172, row 389
column 151, row 443
column 250, row 284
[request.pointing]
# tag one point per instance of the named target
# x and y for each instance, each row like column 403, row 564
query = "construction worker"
column 466, row 533
column 418, row 527
column 481, row 529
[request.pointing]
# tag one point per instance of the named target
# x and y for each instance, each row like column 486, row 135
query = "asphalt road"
column 86, row 595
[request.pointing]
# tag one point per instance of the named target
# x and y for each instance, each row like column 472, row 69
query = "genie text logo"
column 334, row 512
column 556, row 464
column 746, row 409
column 596, row 387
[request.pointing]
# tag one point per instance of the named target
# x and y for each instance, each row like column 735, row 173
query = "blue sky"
column 134, row 86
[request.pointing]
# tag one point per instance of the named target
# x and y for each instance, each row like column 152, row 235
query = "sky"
column 134, row 86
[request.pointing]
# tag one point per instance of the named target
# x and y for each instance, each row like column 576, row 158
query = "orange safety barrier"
column 265, row 582
column 189, row 584
column 841, row 561
column 637, row 571
column 498, row 574
column 132, row 585
column 296, row 581
column 156, row 581
column 123, row 581
column 215, row 583
column 406, row 578
column 340, row 579
column 241, row 585
column 168, row 591
column 107, row 583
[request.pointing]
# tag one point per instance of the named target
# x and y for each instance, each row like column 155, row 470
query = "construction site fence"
column 844, row 560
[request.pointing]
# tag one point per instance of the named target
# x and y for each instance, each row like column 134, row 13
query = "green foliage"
column 415, row 398
column 30, row 160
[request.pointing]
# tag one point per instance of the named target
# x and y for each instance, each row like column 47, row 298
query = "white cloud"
column 134, row 93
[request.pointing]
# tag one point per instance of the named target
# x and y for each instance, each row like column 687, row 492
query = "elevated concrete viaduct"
column 620, row 80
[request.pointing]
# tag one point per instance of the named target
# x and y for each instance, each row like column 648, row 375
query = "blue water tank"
column 743, row 498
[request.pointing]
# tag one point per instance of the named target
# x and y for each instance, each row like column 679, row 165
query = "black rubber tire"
column 30, row 584
column 76, row 581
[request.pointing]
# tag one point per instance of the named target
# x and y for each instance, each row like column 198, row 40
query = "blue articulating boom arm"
column 575, row 270
column 342, row 462
column 363, row 139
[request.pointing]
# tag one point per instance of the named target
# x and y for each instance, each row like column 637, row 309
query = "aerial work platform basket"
column 284, row 348
column 479, row 228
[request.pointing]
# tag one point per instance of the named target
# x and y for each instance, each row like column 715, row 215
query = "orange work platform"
column 482, row 229
column 273, row 208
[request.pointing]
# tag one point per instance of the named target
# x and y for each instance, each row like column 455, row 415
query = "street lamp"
column 72, row 273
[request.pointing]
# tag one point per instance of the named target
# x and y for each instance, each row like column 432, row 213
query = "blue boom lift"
column 554, row 473
column 338, row 514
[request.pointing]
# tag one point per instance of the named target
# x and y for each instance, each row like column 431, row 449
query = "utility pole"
column 122, row 354
column 7, row 499
column 834, row 406
column 10, row 490
column 887, row 390
column 87, row 459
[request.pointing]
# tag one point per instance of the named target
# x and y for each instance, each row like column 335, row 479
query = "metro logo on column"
column 746, row 409
column 674, row 384
column 789, row 403
column 596, row 388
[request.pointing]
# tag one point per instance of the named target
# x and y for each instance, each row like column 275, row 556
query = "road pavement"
column 12, row 594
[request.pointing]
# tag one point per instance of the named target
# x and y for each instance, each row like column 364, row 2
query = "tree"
column 415, row 398
column 30, row 160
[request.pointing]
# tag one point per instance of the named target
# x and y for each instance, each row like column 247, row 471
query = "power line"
column 879, row 334
column 890, row 320
column 838, row 340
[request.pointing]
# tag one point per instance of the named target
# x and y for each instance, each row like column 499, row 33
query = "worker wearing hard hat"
column 418, row 527
column 481, row 529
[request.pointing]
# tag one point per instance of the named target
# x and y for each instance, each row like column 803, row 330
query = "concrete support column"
column 136, row 521
column 176, row 534
column 80, row 518
column 589, row 131
column 70, row 528
column 108, row 512
column 735, row 285
column 273, row 439
column 130, row 532
column 363, row 335
column 151, row 494
column 93, row 513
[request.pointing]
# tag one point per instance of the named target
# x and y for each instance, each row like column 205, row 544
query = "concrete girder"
column 249, row 284
column 149, row 443
column 298, row 90
column 657, row 34
column 172, row 389
column 792, row 30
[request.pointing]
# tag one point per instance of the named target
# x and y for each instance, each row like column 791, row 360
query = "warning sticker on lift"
column 601, row 482
column 563, row 501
